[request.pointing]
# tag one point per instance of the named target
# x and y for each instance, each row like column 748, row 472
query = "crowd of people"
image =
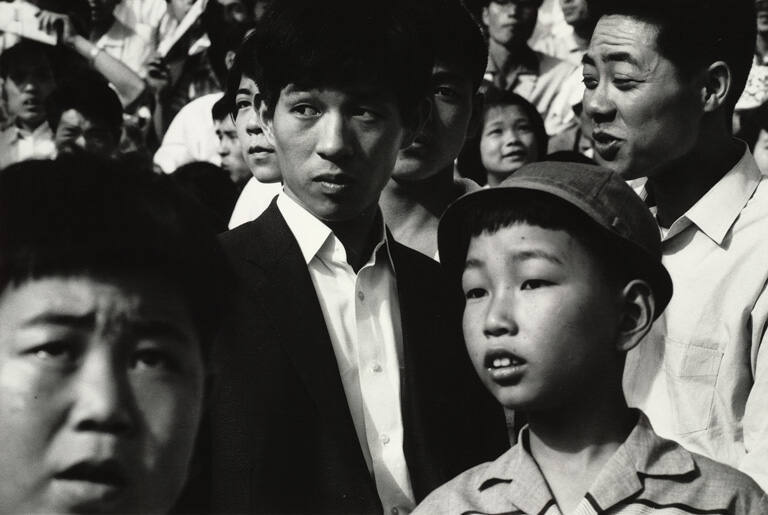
column 413, row 256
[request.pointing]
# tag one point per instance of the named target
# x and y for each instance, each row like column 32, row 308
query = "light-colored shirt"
column 552, row 85
column 647, row 474
column 701, row 374
column 133, row 37
column 756, row 90
column 253, row 201
column 17, row 144
column 362, row 314
column 191, row 136
column 562, row 44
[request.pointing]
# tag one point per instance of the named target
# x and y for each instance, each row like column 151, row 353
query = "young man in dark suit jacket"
column 343, row 383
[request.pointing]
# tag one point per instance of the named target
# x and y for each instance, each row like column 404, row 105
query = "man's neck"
column 572, row 444
column 413, row 209
column 762, row 46
column 359, row 236
column 29, row 126
column 505, row 58
column 685, row 181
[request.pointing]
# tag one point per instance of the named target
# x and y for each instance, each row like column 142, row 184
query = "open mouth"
column 515, row 154
column 605, row 144
column 107, row 473
column 504, row 367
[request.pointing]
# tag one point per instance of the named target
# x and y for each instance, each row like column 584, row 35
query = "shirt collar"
column 316, row 239
column 642, row 453
column 716, row 212
column 15, row 133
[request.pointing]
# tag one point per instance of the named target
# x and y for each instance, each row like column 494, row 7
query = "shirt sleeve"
column 755, row 420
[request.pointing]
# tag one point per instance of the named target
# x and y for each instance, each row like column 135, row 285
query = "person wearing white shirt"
column 342, row 366
column 26, row 80
column 700, row 374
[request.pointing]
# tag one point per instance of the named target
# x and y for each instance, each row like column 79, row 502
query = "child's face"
column 336, row 149
column 101, row 390
column 258, row 152
column 26, row 87
column 440, row 140
column 507, row 141
column 540, row 318
column 232, row 160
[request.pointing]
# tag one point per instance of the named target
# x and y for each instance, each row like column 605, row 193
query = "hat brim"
column 453, row 244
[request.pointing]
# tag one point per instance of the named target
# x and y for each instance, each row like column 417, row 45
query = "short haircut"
column 495, row 97
column 245, row 64
column 89, row 94
column 92, row 216
column 212, row 187
column 458, row 38
column 221, row 109
column 695, row 33
column 24, row 51
column 343, row 44
column 549, row 212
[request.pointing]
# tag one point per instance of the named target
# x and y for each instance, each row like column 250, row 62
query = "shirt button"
column 395, row 511
column 384, row 439
column 361, row 296
column 377, row 368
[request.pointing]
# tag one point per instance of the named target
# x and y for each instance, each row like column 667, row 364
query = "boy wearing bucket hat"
column 562, row 275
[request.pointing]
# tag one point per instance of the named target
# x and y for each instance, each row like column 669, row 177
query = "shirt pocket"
column 691, row 373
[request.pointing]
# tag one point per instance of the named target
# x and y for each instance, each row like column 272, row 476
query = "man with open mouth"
column 662, row 78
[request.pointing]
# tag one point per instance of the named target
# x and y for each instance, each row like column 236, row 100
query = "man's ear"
column 717, row 86
column 229, row 59
column 417, row 124
column 265, row 119
column 475, row 120
column 638, row 307
column 485, row 16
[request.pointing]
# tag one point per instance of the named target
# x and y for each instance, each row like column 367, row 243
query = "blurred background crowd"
column 145, row 81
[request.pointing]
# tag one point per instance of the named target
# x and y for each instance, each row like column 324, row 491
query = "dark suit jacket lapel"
column 417, row 313
column 298, row 318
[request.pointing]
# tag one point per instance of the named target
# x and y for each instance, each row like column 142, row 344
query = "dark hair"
column 212, row 187
column 345, row 43
column 93, row 216
column 246, row 64
column 92, row 96
column 457, row 38
column 548, row 212
column 220, row 109
column 695, row 33
column 24, row 50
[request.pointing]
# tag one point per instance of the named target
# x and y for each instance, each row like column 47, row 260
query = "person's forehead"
column 451, row 68
column 617, row 37
column 34, row 63
column 73, row 117
column 504, row 113
column 248, row 83
column 353, row 92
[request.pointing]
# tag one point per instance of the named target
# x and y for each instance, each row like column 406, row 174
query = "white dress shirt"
column 253, row 201
column 17, row 144
column 700, row 375
column 362, row 313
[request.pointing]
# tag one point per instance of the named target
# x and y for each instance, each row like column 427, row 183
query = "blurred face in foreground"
column 101, row 391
